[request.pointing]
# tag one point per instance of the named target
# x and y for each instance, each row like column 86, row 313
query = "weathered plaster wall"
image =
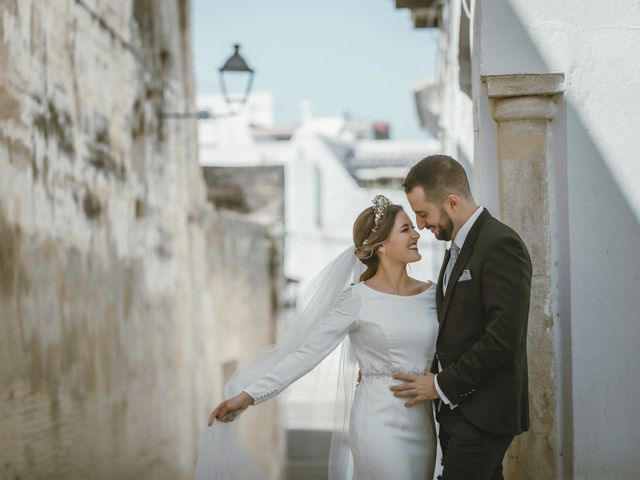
column 246, row 257
column 257, row 192
column 107, row 329
column 248, row 285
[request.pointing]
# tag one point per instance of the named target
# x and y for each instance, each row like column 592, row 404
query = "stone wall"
column 525, row 109
column 257, row 191
column 108, row 358
column 246, row 257
column 247, row 283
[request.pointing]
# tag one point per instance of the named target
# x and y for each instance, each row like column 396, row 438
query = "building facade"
column 120, row 284
column 107, row 366
column 541, row 95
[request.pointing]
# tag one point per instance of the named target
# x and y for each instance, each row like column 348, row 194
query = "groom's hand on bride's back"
column 418, row 388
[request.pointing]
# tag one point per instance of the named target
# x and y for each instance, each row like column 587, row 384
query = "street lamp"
column 234, row 65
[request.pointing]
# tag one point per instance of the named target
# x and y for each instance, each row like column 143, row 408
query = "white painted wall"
column 456, row 114
column 595, row 46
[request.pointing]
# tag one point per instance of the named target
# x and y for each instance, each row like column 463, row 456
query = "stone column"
column 524, row 108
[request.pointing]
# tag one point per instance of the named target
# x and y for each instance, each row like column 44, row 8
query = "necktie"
column 453, row 256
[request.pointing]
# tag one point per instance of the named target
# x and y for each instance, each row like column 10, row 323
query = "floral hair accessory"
column 380, row 204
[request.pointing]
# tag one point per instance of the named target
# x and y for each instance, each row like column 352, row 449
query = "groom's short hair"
column 439, row 176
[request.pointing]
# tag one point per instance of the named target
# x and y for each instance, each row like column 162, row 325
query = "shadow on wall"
column 605, row 281
column 599, row 281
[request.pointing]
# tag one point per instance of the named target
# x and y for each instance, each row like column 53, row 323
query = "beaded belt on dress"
column 387, row 371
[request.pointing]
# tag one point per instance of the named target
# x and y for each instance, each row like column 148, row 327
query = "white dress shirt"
column 459, row 240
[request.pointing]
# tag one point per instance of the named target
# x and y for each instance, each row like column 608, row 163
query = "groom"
column 479, row 373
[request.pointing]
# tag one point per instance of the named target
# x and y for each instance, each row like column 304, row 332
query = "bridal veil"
column 221, row 457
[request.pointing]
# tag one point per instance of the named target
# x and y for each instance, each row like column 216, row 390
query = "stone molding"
column 524, row 85
column 541, row 107
column 520, row 97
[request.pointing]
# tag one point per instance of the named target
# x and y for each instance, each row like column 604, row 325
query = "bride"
column 389, row 321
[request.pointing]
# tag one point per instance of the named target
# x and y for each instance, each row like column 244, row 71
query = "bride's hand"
column 228, row 410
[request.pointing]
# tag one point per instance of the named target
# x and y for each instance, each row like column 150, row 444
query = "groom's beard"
column 444, row 230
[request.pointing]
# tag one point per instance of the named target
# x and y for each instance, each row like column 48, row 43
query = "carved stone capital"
column 524, row 97
column 524, row 108
column 524, row 85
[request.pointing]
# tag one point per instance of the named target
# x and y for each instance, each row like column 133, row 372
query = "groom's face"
column 430, row 215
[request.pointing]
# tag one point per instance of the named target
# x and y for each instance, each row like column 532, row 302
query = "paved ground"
column 308, row 454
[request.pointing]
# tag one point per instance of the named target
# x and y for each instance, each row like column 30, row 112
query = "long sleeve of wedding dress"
column 325, row 314
column 323, row 339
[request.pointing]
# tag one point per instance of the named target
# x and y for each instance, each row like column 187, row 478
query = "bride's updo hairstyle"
column 367, row 237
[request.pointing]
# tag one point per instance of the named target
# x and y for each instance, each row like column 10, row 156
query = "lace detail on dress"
column 389, row 371
column 343, row 298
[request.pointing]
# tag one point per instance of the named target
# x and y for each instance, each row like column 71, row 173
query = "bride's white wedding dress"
column 389, row 334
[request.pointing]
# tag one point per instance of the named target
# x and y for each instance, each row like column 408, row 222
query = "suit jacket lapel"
column 463, row 258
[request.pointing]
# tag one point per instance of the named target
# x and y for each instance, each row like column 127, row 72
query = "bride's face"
column 402, row 244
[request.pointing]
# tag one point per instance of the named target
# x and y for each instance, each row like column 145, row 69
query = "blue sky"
column 355, row 56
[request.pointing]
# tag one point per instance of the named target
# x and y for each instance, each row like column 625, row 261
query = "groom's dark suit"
column 482, row 349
